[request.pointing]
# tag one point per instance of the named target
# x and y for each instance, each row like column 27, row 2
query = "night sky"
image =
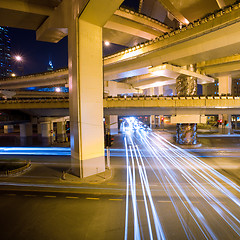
column 36, row 54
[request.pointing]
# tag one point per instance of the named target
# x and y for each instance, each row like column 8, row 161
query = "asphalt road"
column 170, row 196
column 203, row 203
column 34, row 215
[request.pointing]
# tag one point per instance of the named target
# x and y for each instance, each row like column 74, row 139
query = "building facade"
column 5, row 53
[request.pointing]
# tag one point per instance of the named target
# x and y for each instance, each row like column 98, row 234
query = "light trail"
column 196, row 191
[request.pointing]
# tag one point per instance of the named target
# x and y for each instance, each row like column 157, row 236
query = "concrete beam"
column 36, row 80
column 142, row 19
column 22, row 6
column 130, row 27
column 98, row 12
column 174, row 11
column 171, row 71
column 220, row 66
column 56, row 26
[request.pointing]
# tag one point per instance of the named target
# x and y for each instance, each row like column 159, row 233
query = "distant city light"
column 18, row 58
column 58, row 89
column 106, row 43
column 13, row 75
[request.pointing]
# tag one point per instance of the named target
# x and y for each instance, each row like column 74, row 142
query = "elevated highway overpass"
column 212, row 37
column 209, row 39
column 142, row 105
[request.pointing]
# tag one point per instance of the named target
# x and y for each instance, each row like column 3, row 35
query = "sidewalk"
column 51, row 179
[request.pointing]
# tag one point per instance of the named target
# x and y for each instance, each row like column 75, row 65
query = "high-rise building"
column 50, row 65
column 5, row 53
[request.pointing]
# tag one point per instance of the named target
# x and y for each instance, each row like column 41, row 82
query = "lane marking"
column 140, row 200
column 91, row 198
column 71, row 197
column 49, row 196
column 11, row 194
column 29, row 195
column 115, row 199
column 167, row 201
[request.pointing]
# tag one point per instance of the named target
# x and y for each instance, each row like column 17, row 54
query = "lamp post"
column 19, row 61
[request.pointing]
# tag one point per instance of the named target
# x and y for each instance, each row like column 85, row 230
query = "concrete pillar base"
column 186, row 133
column 87, row 167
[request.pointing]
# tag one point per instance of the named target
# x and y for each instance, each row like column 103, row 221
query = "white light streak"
column 194, row 188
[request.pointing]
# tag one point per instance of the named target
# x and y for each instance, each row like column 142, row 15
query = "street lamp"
column 107, row 43
column 18, row 58
column 58, row 89
column 19, row 62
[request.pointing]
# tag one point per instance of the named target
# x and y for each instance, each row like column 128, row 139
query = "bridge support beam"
column 112, row 123
column 86, row 86
column 152, row 121
column 186, row 133
column 186, row 86
column 61, row 132
column 26, row 134
column 86, row 105
column 47, row 133
column 225, row 84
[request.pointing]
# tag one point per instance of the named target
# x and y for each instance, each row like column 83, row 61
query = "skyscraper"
column 5, row 53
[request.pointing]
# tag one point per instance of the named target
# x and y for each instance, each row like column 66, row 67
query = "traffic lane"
column 176, row 168
column 229, row 167
column 35, row 215
column 31, row 215
column 220, row 141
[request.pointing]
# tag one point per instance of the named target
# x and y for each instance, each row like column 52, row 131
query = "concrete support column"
column 186, row 86
column 26, row 132
column 160, row 90
column 151, row 91
column 8, row 128
column 85, row 103
column 113, row 121
column 152, row 121
column 61, row 132
column 204, row 89
column 186, row 133
column 236, row 122
column 225, row 84
column 85, row 68
column 47, row 133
